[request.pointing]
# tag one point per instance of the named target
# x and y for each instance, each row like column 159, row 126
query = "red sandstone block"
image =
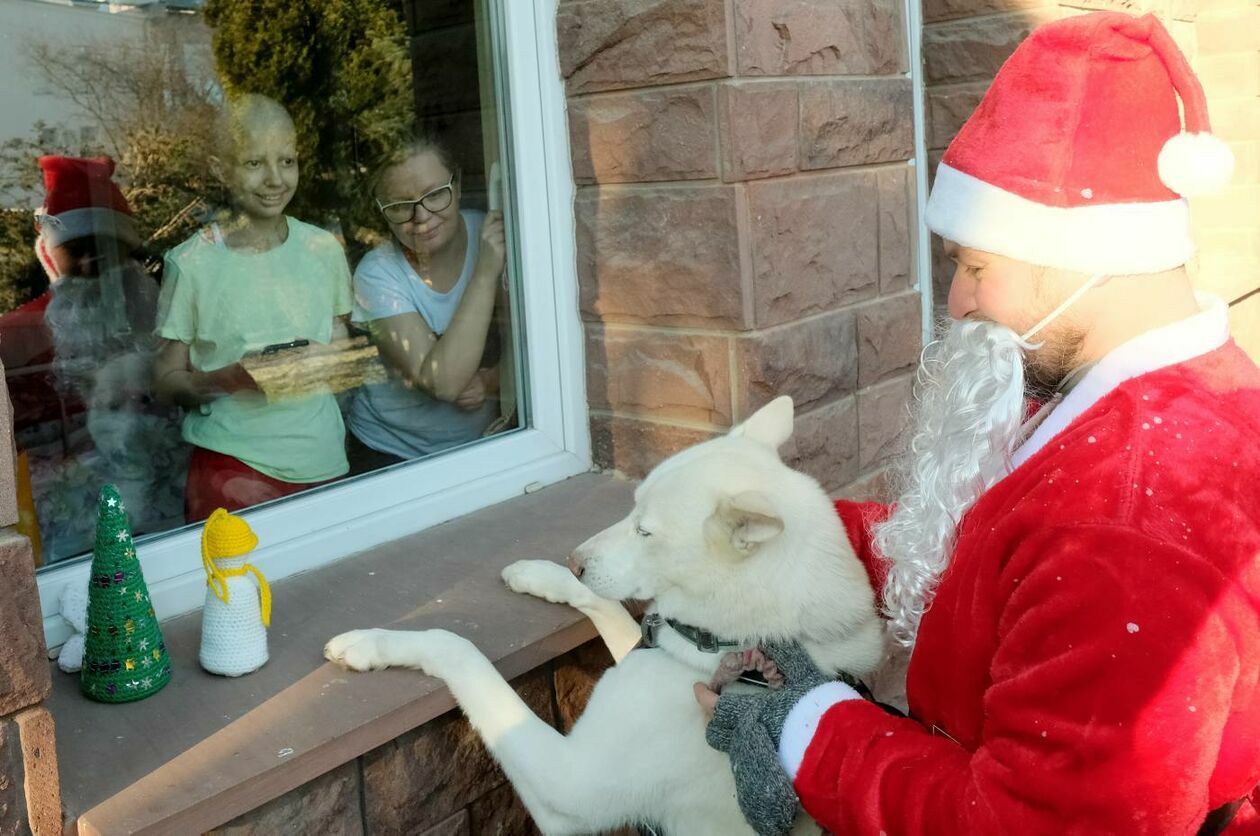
column 24, row 676
column 1244, row 324
column 1229, row 75
column 758, row 127
column 633, row 447
column 644, row 135
column 666, row 255
column 855, row 122
column 814, row 244
column 815, row 361
column 1234, row 206
column 889, row 337
column 883, row 420
column 949, row 107
column 824, row 443
column 8, row 472
column 665, row 376
column 615, row 44
column 935, row 11
column 819, row 37
column 973, row 50
column 1228, row 30
column 897, row 229
column 424, row 777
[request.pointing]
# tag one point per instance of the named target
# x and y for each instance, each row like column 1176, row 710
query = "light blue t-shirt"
column 391, row 417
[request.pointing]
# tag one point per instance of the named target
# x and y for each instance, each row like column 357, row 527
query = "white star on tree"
column 111, row 502
column 145, row 661
column 122, row 536
column 147, row 682
column 144, row 644
column 139, row 596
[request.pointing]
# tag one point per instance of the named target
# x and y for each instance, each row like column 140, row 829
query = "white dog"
column 732, row 546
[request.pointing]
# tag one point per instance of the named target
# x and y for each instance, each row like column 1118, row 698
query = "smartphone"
column 278, row 347
column 495, row 187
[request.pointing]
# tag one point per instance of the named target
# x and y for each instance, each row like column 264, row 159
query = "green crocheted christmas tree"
column 124, row 657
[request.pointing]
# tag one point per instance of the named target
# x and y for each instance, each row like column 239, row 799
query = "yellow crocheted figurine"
column 236, row 615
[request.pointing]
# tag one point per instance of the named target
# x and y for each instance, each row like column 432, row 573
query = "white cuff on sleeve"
column 802, row 722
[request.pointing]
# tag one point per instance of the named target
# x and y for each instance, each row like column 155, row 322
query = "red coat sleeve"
column 1121, row 666
column 858, row 519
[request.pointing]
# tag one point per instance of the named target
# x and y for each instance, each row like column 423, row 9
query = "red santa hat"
column 82, row 201
column 1076, row 157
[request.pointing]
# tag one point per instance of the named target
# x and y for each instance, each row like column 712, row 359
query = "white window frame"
column 331, row 523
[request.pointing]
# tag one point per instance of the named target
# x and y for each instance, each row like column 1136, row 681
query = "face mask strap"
column 1067, row 303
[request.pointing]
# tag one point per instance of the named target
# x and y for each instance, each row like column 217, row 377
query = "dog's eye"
column 641, row 531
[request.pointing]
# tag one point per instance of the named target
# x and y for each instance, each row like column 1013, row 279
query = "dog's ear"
column 771, row 425
column 745, row 520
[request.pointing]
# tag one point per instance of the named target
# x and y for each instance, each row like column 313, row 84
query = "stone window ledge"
column 206, row 749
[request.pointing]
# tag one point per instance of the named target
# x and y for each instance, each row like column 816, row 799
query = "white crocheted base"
column 233, row 639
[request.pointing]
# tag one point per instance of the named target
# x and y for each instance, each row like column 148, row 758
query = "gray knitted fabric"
column 748, row 726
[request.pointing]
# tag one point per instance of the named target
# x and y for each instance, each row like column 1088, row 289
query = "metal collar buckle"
column 707, row 642
column 702, row 640
column 650, row 629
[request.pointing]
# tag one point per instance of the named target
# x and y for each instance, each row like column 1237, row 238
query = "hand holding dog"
column 748, row 726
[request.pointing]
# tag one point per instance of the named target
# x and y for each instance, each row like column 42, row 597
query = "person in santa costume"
column 99, row 301
column 76, row 359
column 1076, row 582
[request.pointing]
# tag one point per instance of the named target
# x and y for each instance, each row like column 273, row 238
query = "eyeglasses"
column 402, row 211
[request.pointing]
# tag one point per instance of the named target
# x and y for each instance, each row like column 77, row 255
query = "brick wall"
column 1227, row 56
column 966, row 41
column 743, row 223
column 30, row 800
column 437, row 780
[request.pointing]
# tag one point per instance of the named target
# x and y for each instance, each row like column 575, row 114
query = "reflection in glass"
column 428, row 296
column 437, row 200
column 186, row 191
column 252, row 278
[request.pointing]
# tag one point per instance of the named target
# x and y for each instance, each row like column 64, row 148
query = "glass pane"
column 249, row 248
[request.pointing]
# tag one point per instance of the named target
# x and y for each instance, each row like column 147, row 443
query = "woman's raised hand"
column 492, row 252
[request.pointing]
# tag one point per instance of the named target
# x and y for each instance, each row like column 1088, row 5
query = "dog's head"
column 727, row 537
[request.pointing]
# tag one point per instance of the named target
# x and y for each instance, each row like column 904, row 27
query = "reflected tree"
column 149, row 105
column 343, row 71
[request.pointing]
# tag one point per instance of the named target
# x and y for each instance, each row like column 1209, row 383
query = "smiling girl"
column 252, row 279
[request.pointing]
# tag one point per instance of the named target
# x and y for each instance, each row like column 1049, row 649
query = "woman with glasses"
column 427, row 295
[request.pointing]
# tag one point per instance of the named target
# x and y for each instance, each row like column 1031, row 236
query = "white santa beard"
column 93, row 319
column 969, row 407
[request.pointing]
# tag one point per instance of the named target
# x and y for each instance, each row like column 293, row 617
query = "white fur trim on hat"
column 1195, row 164
column 87, row 222
column 1110, row 238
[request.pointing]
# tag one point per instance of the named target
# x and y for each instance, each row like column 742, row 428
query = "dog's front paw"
column 358, row 650
column 544, row 579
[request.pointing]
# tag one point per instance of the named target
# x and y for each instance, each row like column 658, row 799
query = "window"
column 325, row 274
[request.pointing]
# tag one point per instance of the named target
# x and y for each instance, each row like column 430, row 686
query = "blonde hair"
column 423, row 144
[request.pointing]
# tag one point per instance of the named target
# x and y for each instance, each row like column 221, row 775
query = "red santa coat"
column 1091, row 661
column 27, row 352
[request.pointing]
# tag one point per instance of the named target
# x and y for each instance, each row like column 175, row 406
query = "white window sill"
column 206, row 749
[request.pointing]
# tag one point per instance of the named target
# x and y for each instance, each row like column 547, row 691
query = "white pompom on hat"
column 1077, row 157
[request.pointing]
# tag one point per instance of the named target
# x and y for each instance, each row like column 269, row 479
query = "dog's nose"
column 577, row 564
